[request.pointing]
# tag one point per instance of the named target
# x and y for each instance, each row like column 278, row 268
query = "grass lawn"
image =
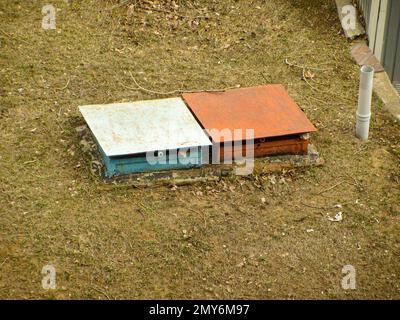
column 214, row 240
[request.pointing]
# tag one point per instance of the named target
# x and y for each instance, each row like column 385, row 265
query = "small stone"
column 338, row 217
column 263, row 200
column 81, row 130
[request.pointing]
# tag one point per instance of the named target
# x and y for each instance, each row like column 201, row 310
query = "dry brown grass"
column 130, row 243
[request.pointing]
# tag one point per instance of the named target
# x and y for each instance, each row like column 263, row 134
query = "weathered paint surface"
column 290, row 145
column 117, row 166
column 143, row 126
column 215, row 172
column 268, row 110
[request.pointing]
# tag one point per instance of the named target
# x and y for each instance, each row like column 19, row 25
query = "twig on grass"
column 305, row 79
column 101, row 291
column 319, row 100
column 10, row 36
column 355, row 182
column 303, row 70
column 3, row 262
column 265, row 79
column 29, row 162
column 145, row 208
column 175, row 91
column 65, row 87
column 315, row 207
column 306, row 67
column 330, row 188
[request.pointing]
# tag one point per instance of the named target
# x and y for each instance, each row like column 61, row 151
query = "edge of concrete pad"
column 214, row 172
column 394, row 109
column 349, row 33
column 387, row 93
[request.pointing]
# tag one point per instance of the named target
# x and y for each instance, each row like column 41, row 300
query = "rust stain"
column 268, row 148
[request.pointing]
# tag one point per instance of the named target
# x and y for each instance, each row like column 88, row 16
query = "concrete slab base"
column 206, row 173
column 388, row 94
column 215, row 172
column 394, row 109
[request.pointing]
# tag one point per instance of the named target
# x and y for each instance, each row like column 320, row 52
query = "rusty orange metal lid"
column 269, row 110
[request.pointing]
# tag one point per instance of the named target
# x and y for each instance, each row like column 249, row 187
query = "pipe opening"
column 367, row 69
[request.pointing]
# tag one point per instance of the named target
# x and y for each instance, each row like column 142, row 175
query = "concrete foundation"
column 206, row 173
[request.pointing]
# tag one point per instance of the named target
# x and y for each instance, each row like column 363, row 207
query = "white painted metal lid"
column 142, row 126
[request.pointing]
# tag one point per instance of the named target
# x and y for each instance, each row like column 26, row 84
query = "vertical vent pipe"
column 363, row 114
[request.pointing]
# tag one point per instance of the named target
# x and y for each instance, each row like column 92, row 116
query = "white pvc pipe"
column 363, row 114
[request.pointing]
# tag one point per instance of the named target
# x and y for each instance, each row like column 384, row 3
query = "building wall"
column 391, row 56
column 382, row 19
column 365, row 6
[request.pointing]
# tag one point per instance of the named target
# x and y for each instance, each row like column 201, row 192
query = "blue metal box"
column 120, row 165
